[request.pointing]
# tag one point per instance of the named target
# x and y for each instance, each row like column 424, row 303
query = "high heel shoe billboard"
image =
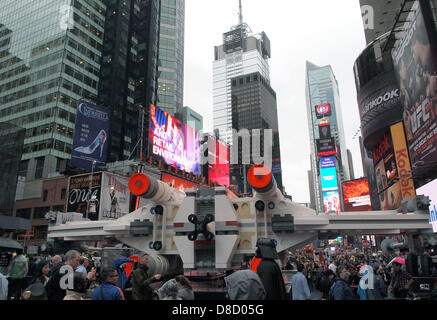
column 90, row 135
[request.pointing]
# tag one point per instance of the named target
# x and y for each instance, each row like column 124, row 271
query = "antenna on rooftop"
column 240, row 15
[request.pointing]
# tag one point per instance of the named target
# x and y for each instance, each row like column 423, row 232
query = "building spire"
column 240, row 15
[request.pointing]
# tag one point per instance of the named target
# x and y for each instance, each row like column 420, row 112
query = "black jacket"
column 271, row 277
column 141, row 289
column 53, row 287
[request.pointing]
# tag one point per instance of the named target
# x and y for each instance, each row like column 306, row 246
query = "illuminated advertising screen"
column 325, row 131
column 430, row 190
column 328, row 177
column 218, row 162
column 327, row 162
column 415, row 61
column 385, row 160
column 323, row 110
column 174, row 142
column 178, row 183
column 326, row 147
column 331, row 200
column 356, row 195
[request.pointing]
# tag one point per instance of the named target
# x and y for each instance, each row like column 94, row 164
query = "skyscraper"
column 323, row 108
column 50, row 54
column 127, row 83
column 171, row 56
column 254, row 107
column 241, row 53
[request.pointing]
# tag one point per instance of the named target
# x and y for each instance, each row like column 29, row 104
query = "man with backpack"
column 340, row 289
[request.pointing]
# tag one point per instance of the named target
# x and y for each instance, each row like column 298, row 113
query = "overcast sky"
column 320, row 31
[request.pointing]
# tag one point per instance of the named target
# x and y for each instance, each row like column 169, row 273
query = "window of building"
column 241, row 81
column 63, row 193
column 22, row 168
column 24, row 213
column 40, row 212
column 39, row 167
column 45, row 195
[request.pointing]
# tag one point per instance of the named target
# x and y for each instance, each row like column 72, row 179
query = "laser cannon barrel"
column 262, row 181
column 146, row 187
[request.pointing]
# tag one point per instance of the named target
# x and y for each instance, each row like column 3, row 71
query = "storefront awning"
column 14, row 223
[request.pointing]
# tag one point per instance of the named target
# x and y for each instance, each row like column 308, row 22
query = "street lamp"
column 91, row 182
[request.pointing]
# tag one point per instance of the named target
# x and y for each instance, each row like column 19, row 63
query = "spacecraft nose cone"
column 139, row 184
column 259, row 176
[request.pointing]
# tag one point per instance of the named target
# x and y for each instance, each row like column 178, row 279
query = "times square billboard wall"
column 392, row 169
column 415, row 61
column 173, row 142
column 91, row 130
column 111, row 192
column 356, row 195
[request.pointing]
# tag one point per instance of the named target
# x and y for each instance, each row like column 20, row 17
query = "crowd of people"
column 349, row 276
column 331, row 277
column 44, row 278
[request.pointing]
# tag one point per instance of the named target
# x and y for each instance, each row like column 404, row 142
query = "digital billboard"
column 218, row 162
column 91, row 131
column 415, row 60
column 326, row 147
column 323, row 110
column 385, row 160
column 327, row 162
column 325, row 131
column 331, row 200
column 328, row 177
column 430, row 190
column 173, row 142
column 178, row 183
column 356, row 195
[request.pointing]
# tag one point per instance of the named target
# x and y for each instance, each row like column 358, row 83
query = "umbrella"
column 397, row 260
column 6, row 243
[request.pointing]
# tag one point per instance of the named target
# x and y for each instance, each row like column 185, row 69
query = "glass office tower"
column 128, row 75
column 322, row 88
column 240, row 54
column 50, row 54
column 171, row 56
